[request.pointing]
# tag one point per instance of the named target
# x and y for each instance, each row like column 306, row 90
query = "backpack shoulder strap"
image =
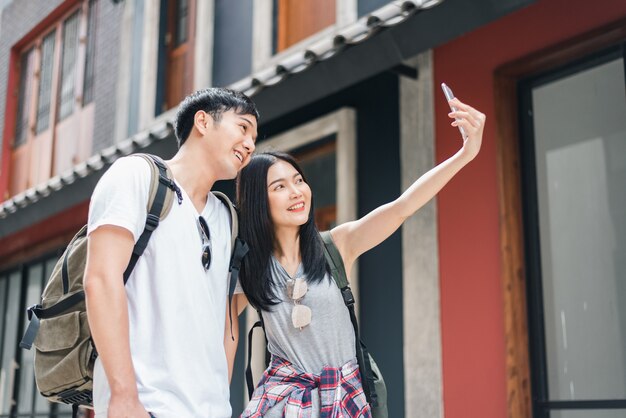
column 234, row 219
column 249, row 379
column 338, row 271
column 334, row 260
column 162, row 189
column 239, row 249
column 160, row 174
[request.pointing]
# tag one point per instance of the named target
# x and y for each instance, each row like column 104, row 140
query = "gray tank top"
column 327, row 341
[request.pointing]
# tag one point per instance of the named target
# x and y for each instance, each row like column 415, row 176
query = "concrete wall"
column 420, row 286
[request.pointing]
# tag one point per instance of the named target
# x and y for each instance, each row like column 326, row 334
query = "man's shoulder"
column 130, row 165
column 122, row 189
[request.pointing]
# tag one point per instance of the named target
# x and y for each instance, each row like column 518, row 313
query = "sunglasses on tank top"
column 300, row 314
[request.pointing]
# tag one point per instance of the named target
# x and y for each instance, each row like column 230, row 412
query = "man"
column 161, row 338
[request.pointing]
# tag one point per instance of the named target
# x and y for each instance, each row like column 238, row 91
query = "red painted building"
column 487, row 225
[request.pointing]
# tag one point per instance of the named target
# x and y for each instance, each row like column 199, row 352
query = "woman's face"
column 288, row 195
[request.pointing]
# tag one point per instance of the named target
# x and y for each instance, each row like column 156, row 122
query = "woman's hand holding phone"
column 470, row 122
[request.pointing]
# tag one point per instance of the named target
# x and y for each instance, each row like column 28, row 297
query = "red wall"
column 469, row 246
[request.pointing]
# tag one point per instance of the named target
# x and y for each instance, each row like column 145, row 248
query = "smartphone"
column 447, row 91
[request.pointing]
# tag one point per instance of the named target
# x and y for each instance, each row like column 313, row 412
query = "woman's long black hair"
column 257, row 230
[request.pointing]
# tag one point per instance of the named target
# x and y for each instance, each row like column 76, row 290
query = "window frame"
column 514, row 270
column 27, row 163
column 543, row 405
column 56, row 27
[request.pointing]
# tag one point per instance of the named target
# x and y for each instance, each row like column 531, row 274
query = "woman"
column 285, row 277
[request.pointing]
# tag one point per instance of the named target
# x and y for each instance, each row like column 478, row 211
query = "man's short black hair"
column 215, row 101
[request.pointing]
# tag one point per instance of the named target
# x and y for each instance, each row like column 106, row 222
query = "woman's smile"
column 298, row 207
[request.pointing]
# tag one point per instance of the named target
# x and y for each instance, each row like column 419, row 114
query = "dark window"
column 175, row 73
column 182, row 22
column 20, row 288
column 10, row 312
column 574, row 166
column 233, row 26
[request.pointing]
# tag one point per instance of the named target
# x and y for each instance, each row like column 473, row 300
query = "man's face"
column 233, row 142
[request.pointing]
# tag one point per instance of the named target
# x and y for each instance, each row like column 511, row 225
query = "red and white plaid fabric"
column 340, row 391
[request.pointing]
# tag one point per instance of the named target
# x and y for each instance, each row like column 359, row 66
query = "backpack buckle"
column 152, row 221
column 348, row 297
column 31, row 310
column 166, row 181
column 72, row 396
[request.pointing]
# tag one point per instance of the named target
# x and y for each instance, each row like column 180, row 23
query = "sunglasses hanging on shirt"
column 205, row 235
column 301, row 314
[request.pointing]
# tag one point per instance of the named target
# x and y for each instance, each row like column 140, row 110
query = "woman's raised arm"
column 356, row 237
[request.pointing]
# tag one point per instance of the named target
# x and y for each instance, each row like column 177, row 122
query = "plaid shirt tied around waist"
column 340, row 392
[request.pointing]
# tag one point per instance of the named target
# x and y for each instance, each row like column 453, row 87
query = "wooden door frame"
column 514, row 275
column 54, row 23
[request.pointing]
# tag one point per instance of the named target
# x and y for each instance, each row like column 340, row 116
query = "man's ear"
column 202, row 121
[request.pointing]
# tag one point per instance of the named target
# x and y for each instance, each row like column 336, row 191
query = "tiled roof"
column 366, row 27
column 387, row 16
column 159, row 131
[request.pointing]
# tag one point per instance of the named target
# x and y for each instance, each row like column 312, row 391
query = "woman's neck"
column 287, row 246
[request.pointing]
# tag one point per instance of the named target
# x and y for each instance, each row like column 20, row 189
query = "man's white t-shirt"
column 176, row 309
